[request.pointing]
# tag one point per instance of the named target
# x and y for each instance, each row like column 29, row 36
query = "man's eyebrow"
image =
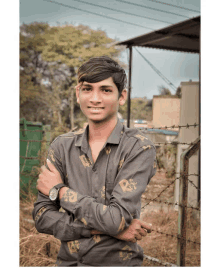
column 88, row 85
column 106, row 86
column 103, row 86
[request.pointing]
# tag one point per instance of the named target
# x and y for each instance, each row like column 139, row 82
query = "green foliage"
column 178, row 92
column 59, row 130
column 166, row 159
column 164, row 91
column 49, row 59
column 139, row 109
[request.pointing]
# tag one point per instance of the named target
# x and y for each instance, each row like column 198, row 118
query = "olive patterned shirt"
column 105, row 195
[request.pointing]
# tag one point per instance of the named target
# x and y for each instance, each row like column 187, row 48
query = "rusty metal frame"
column 183, row 194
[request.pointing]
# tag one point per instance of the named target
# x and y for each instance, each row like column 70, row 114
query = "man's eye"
column 107, row 90
column 86, row 89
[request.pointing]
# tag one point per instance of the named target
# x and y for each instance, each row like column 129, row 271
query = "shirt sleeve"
column 125, row 201
column 48, row 217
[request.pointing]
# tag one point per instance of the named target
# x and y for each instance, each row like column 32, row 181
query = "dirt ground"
column 160, row 245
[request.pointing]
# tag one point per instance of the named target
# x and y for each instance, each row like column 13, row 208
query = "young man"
column 97, row 177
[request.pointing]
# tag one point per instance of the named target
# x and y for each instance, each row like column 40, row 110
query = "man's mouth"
column 95, row 108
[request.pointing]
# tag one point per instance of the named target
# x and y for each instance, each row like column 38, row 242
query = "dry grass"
column 165, row 219
column 35, row 249
column 164, row 247
column 41, row 250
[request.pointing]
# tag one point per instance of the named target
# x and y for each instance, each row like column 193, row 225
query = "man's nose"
column 95, row 97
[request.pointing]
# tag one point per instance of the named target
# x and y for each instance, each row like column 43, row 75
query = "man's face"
column 99, row 101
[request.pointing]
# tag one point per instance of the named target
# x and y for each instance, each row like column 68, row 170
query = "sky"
column 175, row 66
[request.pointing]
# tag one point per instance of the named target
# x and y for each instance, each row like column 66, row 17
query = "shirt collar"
column 82, row 140
column 114, row 138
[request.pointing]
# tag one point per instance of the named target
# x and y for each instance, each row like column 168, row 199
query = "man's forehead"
column 105, row 82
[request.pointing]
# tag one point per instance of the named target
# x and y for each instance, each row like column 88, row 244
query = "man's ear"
column 77, row 91
column 123, row 97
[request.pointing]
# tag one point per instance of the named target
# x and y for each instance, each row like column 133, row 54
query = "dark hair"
column 100, row 68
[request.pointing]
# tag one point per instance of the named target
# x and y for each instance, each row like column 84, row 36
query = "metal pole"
column 72, row 107
column 183, row 194
column 199, row 162
column 129, row 87
column 182, row 218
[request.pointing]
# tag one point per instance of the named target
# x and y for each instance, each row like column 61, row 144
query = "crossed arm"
column 135, row 230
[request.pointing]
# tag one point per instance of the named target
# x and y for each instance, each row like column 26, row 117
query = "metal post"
column 129, row 87
column 72, row 107
column 199, row 162
column 183, row 194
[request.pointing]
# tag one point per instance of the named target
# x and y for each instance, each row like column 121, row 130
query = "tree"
column 178, row 92
column 49, row 59
column 164, row 91
column 140, row 109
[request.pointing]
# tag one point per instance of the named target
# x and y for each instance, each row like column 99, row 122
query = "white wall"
column 189, row 114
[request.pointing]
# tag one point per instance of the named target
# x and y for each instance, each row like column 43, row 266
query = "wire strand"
column 158, row 72
column 163, row 3
column 102, row 15
column 128, row 13
column 142, row 6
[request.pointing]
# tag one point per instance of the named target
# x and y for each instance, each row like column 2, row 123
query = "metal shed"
column 182, row 37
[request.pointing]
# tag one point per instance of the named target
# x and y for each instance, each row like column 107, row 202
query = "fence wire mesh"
column 148, row 201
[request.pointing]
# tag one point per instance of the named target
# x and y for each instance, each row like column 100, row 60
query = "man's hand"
column 48, row 178
column 136, row 230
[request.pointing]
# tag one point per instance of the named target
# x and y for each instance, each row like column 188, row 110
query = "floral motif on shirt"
column 85, row 161
column 97, row 238
column 84, row 221
column 104, row 207
column 146, row 147
column 62, row 210
column 122, row 224
column 40, row 212
column 120, row 164
column 108, row 150
column 70, row 196
column 128, row 185
column 73, row 246
column 103, row 192
column 126, row 253
column 142, row 138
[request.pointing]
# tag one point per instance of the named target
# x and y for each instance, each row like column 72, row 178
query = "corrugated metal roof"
column 182, row 37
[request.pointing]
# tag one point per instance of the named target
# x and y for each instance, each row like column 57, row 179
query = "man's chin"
column 100, row 120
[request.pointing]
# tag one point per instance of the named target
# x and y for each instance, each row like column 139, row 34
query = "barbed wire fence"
column 183, row 177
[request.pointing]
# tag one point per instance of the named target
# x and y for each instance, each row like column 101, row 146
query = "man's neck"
column 99, row 132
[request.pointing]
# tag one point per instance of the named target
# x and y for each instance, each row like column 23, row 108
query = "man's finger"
column 43, row 168
column 142, row 232
column 51, row 166
column 147, row 226
column 138, row 237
